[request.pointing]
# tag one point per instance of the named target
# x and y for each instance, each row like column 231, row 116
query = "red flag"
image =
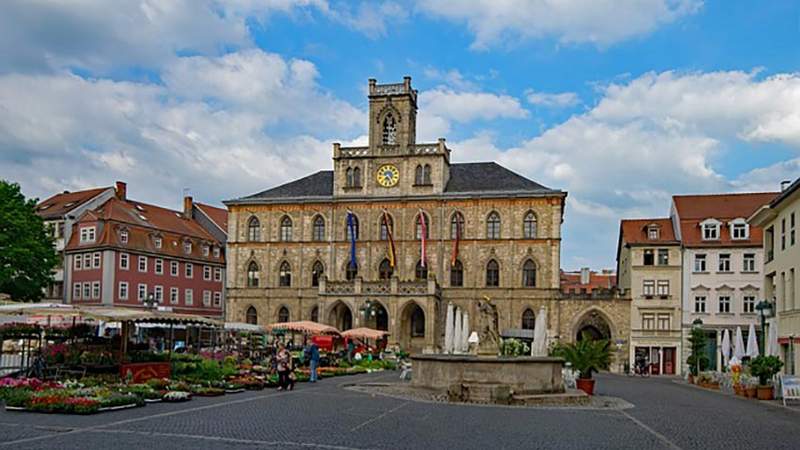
column 423, row 231
column 454, row 257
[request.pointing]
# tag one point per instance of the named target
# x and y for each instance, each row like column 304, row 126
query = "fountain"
column 477, row 373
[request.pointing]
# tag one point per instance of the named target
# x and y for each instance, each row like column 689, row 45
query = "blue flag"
column 351, row 225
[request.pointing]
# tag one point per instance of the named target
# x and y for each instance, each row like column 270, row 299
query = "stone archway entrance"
column 376, row 317
column 594, row 325
column 340, row 316
column 413, row 328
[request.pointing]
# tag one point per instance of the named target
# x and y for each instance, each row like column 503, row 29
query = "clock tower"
column 392, row 164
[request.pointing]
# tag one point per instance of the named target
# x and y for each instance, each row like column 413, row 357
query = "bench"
column 790, row 388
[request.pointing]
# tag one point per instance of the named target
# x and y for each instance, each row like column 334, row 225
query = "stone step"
column 572, row 397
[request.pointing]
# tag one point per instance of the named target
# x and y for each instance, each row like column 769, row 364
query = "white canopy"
column 738, row 349
column 772, row 339
column 752, row 342
column 448, row 330
column 457, row 332
column 726, row 347
column 465, row 332
column 539, row 346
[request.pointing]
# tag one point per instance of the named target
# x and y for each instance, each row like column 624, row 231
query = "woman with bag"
column 284, row 365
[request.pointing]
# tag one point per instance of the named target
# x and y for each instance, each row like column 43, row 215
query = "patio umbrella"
column 539, row 346
column 457, row 332
column 448, row 330
column 365, row 333
column 752, row 343
column 726, row 347
column 465, row 333
column 738, row 349
column 772, row 339
column 303, row 326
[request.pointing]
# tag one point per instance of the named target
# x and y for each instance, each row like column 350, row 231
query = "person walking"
column 283, row 360
column 313, row 357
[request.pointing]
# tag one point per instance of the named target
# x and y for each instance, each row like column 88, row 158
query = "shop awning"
column 303, row 326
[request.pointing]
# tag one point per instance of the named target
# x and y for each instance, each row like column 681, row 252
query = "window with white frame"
column 142, row 292
column 188, row 297
column 649, row 321
column 749, row 303
column 157, row 242
column 724, row 262
column 78, row 264
column 700, row 262
column 189, row 270
column 142, row 263
column 710, row 231
column 699, row 303
column 217, row 299
column 96, row 260
column 653, row 232
column 663, row 257
column 217, row 274
column 749, row 262
column 87, row 290
column 739, row 230
column 123, row 237
column 95, row 289
column 158, row 293
column 207, row 273
column 173, row 268
column 663, row 322
column 206, row 298
column 725, row 303
column 159, row 266
column 173, row 296
column 87, row 234
column 662, row 288
column 216, row 252
column 123, row 290
column 76, row 291
column 205, row 250
column 649, row 288
column 124, row 261
column 187, row 247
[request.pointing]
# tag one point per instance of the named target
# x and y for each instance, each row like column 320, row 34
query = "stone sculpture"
column 488, row 328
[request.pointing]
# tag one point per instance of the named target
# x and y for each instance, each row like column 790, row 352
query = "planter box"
column 764, row 393
column 142, row 372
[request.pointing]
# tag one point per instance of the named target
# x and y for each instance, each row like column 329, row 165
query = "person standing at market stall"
column 284, row 365
column 313, row 357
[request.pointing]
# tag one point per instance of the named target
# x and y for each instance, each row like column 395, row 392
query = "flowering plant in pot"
column 765, row 367
column 586, row 356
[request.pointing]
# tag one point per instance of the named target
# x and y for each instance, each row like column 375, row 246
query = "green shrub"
column 765, row 367
column 586, row 355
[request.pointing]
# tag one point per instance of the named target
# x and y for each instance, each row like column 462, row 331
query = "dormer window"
column 710, row 229
column 739, row 229
column 205, row 250
column 87, row 234
column 216, row 252
column 187, row 247
column 157, row 242
column 653, row 232
column 123, row 236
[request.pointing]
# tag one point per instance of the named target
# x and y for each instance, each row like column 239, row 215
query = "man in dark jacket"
column 313, row 357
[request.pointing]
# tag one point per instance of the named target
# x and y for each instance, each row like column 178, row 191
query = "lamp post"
column 697, row 324
column 765, row 310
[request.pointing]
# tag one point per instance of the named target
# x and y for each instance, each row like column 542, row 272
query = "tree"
column 587, row 355
column 27, row 256
column 697, row 343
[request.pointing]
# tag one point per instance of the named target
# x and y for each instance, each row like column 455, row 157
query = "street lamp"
column 369, row 308
column 697, row 324
column 765, row 309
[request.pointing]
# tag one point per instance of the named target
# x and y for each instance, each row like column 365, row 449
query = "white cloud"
column 560, row 100
column 600, row 22
column 371, row 18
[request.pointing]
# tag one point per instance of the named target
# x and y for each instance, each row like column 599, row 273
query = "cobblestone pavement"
column 666, row 414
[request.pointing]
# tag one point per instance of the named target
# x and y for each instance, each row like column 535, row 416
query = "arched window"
column 385, row 270
column 253, row 229
column 317, row 270
column 252, row 274
column 283, row 314
column 529, row 226
column 492, row 274
column 318, row 229
column 456, row 225
column 419, row 176
column 351, row 271
column 529, row 274
column 356, row 177
column 348, row 232
column 418, row 226
column 493, row 226
column 457, row 274
column 387, row 225
column 315, row 314
column 389, row 130
column 417, row 322
column 285, row 275
column 348, row 174
column 528, row 320
column 286, row 229
column 421, row 272
column 251, row 316
column 426, row 174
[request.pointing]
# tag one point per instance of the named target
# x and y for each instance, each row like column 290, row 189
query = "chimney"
column 122, row 190
column 785, row 185
column 585, row 276
column 187, row 207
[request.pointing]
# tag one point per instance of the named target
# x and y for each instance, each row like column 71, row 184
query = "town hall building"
column 393, row 234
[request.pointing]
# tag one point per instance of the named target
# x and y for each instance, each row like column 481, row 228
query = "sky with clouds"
column 622, row 103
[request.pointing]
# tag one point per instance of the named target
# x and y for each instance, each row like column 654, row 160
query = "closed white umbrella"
column 465, row 333
column 772, row 339
column 457, row 332
column 738, row 346
column 539, row 347
column 752, row 342
column 726, row 347
column 448, row 330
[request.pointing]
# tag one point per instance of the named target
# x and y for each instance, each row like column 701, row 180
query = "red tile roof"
column 634, row 231
column 694, row 209
column 571, row 281
column 217, row 215
column 56, row 206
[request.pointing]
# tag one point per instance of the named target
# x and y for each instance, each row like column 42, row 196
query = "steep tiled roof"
column 694, row 209
column 634, row 231
column 571, row 281
column 218, row 215
column 464, row 178
column 60, row 204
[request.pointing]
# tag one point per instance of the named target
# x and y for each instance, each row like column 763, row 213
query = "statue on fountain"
column 488, row 328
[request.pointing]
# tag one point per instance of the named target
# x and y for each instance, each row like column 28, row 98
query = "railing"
column 381, row 287
column 390, row 89
column 354, row 151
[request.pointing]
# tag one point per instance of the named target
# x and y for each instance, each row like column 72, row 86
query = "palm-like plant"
column 586, row 355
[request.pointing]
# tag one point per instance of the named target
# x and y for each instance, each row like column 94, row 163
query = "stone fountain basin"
column 523, row 375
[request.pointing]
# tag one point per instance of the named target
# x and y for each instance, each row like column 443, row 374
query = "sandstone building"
column 344, row 247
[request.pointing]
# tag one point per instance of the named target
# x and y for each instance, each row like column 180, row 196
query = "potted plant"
column 586, row 356
column 765, row 367
column 750, row 386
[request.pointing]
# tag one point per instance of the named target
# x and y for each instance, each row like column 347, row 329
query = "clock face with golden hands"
column 388, row 175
